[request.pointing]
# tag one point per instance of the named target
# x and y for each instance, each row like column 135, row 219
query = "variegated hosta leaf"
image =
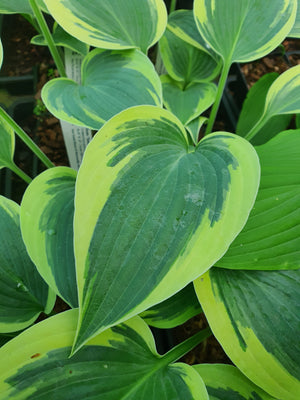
column 226, row 382
column 62, row 38
column 271, row 237
column 282, row 98
column 152, row 213
column 111, row 82
column 120, row 363
column 174, row 311
column 252, row 111
column 255, row 315
column 47, row 212
column 244, row 30
column 112, row 24
column 187, row 102
column 185, row 62
column 295, row 32
column 183, row 25
column 23, row 293
column 18, row 6
column 7, row 144
column 283, row 95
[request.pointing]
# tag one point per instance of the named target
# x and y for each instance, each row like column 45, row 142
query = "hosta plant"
column 165, row 218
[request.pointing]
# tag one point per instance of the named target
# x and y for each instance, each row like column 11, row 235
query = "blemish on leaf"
column 70, row 372
column 35, row 355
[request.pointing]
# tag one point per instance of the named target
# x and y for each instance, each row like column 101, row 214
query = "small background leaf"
column 187, row 102
column 23, row 293
column 7, row 144
column 185, row 62
column 174, row 311
column 253, row 108
column 62, row 38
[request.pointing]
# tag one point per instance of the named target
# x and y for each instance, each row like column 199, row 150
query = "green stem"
column 26, row 139
column 183, row 348
column 48, row 37
column 215, row 108
column 172, row 6
column 20, row 173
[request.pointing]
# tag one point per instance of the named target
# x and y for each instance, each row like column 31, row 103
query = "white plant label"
column 76, row 137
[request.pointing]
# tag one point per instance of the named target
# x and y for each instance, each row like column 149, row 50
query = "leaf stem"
column 26, row 139
column 19, row 172
column 180, row 350
column 172, row 6
column 48, row 37
column 215, row 108
column 257, row 127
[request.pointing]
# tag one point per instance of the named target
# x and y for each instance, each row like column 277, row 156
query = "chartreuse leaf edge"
column 162, row 203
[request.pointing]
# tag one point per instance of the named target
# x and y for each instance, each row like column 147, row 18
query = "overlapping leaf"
column 18, row 6
column 252, row 111
column 111, row 82
column 187, row 102
column 282, row 98
column 47, row 213
column 244, row 30
column 225, row 382
column 185, row 62
column 152, row 213
column 182, row 24
column 120, row 363
column 255, row 316
column 112, row 24
column 295, row 32
column 23, row 293
column 62, row 38
column 271, row 237
column 174, row 311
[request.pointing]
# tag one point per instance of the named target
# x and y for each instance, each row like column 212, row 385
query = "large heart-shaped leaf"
column 271, row 237
column 121, row 363
column 185, row 62
column 252, row 111
column 244, row 30
column 255, row 316
column 174, row 311
column 47, row 213
column 153, row 213
column 112, row 24
column 19, row 6
column 23, row 293
column 111, row 82
column 225, row 382
column 187, row 102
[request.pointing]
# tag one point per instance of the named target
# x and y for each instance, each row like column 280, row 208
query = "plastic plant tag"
column 76, row 137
